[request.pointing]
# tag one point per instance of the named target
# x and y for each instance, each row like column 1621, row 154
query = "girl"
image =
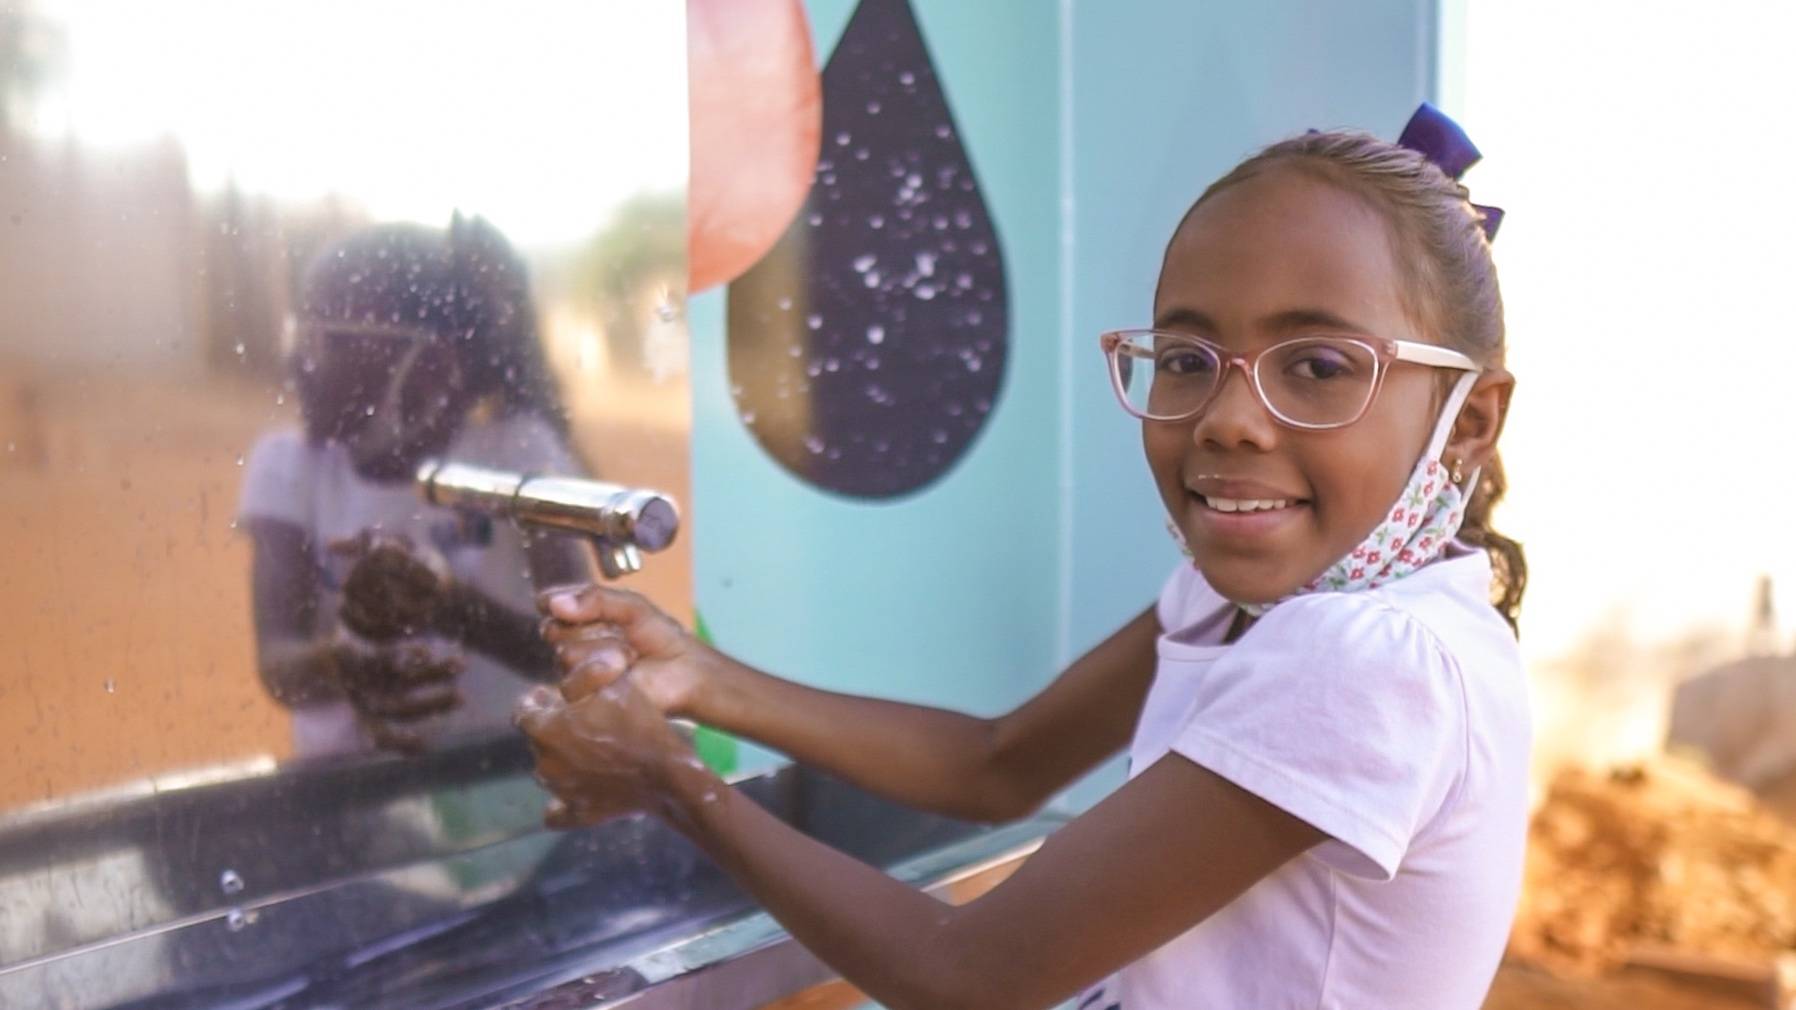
column 381, row 621
column 1325, row 716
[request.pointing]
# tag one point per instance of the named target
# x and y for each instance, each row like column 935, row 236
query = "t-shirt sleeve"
column 275, row 479
column 1342, row 711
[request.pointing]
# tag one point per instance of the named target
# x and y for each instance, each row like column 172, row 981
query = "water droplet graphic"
column 905, row 218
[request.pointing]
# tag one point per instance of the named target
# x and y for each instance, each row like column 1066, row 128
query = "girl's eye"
column 1320, row 363
column 1185, row 361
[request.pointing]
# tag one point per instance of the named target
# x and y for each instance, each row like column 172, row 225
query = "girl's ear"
column 1480, row 421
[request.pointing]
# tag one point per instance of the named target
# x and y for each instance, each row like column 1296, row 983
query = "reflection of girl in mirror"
column 381, row 620
column 1325, row 716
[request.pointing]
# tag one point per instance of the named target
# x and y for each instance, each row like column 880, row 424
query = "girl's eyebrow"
column 1303, row 319
column 1183, row 318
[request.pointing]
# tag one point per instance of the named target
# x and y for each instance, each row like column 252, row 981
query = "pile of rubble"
column 1657, row 855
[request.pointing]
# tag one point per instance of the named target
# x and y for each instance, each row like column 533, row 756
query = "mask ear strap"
column 1443, row 426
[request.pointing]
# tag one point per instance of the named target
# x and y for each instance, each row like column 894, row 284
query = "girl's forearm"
column 493, row 629
column 872, row 929
column 926, row 758
column 298, row 672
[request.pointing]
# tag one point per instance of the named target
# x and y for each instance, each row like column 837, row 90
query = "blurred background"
column 170, row 171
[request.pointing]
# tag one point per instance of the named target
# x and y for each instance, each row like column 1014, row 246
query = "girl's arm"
column 1164, row 852
column 513, row 638
column 284, row 593
column 927, row 758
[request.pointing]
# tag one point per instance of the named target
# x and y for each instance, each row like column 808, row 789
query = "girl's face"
column 1277, row 256
column 391, row 398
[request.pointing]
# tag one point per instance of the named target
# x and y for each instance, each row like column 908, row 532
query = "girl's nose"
column 1236, row 418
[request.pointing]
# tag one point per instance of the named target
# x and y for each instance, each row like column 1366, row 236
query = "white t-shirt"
column 316, row 488
column 1396, row 721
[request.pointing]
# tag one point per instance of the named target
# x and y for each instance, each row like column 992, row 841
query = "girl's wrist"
column 687, row 791
column 708, row 695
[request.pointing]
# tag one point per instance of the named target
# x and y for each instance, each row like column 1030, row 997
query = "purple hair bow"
column 1434, row 135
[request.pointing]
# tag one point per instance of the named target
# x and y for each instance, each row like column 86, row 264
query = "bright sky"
column 547, row 117
column 1643, row 151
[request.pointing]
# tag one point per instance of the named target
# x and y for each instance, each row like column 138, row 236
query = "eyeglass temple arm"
column 1431, row 354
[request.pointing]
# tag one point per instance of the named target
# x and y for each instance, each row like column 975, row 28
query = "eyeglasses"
column 1308, row 382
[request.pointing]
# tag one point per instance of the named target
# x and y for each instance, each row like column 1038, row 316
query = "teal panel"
column 945, row 596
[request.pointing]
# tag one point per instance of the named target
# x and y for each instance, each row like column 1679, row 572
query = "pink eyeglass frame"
column 1384, row 350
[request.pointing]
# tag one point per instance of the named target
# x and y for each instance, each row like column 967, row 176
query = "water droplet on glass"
column 368, row 410
column 876, row 221
column 876, row 334
column 785, row 304
column 872, row 108
column 815, row 219
column 237, row 919
column 280, row 399
column 239, row 459
column 843, row 138
column 813, row 444
column 814, row 321
column 872, row 279
column 926, row 291
column 230, row 883
column 926, row 264
column 907, row 78
column 864, row 263
column 111, row 686
column 240, row 348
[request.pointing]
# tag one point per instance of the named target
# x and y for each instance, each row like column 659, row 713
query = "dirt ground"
column 1520, row 987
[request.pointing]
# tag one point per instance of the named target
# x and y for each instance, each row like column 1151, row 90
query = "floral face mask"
column 1420, row 524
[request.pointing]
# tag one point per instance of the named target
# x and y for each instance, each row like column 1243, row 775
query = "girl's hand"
column 393, row 687
column 610, row 752
column 600, row 633
column 395, row 588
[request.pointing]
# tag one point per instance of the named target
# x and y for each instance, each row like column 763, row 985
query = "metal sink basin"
column 625, row 914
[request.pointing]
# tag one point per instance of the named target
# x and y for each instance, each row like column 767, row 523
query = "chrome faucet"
column 621, row 521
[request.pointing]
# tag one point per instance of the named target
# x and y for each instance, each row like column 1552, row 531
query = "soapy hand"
column 599, row 633
column 602, row 753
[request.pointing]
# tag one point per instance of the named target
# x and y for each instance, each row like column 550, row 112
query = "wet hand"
column 609, row 753
column 601, row 633
column 395, row 587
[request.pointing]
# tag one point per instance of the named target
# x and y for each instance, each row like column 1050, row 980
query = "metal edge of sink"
column 753, row 960
column 551, row 937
